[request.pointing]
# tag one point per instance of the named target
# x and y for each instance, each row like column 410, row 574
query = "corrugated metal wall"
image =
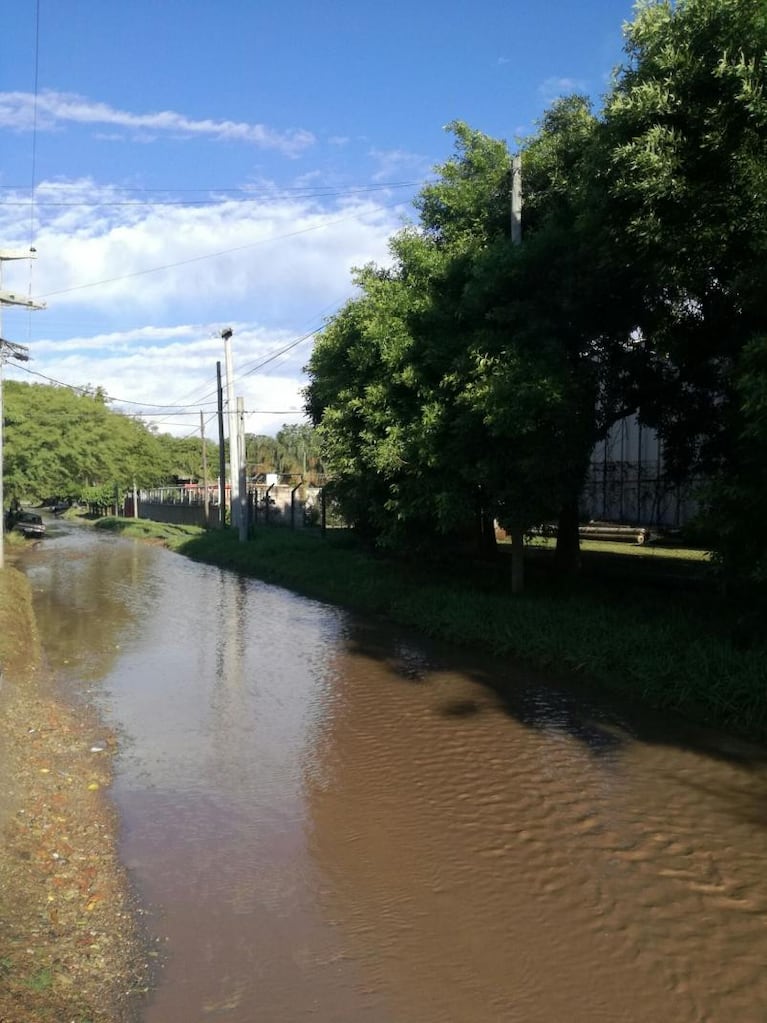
column 626, row 481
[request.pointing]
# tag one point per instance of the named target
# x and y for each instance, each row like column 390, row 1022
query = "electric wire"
column 211, row 200
column 34, row 134
column 215, row 255
column 173, row 409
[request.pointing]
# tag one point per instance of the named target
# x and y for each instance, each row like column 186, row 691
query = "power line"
column 34, row 133
column 214, row 255
column 260, row 363
column 88, row 388
column 168, row 410
column 246, row 197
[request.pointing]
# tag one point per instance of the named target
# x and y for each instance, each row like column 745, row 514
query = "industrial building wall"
column 626, row 481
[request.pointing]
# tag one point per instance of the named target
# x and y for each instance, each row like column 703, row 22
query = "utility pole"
column 242, row 488
column 9, row 350
column 517, row 531
column 221, row 452
column 205, row 501
column 516, row 200
column 234, row 473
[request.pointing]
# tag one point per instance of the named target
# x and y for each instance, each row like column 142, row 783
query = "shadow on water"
column 602, row 721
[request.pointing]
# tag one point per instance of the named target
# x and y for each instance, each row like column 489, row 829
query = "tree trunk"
column 487, row 546
column 489, row 542
column 517, row 560
column 567, row 557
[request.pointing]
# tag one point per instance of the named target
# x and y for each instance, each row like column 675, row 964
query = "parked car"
column 26, row 523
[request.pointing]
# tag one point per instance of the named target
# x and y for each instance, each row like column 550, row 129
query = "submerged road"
column 331, row 820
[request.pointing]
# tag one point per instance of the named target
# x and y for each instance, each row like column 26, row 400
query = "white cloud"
column 167, row 375
column 21, row 111
column 99, row 250
column 394, row 162
column 554, row 88
column 138, row 293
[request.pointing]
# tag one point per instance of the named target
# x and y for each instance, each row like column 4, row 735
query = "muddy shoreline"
column 71, row 943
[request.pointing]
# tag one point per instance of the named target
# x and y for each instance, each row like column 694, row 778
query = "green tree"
column 686, row 135
column 260, row 453
column 300, row 449
column 447, row 392
column 60, row 443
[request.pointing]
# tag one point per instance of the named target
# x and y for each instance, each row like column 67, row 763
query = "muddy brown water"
column 331, row 820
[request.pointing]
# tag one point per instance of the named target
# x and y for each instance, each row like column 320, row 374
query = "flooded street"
column 330, row 820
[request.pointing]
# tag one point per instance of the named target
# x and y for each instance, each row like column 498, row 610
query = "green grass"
column 142, row 529
column 41, row 980
column 654, row 551
column 651, row 626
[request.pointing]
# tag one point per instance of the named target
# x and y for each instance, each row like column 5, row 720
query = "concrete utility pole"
column 517, row 531
column 516, row 200
column 234, row 475
column 221, row 452
column 9, row 350
column 242, row 481
column 205, row 499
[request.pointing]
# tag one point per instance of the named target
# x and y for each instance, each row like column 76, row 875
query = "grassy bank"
column 647, row 624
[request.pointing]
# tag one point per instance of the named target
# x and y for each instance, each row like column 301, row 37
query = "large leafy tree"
column 471, row 367
column 559, row 307
column 446, row 391
column 685, row 137
column 363, row 394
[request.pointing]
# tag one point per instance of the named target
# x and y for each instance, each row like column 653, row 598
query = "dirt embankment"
column 70, row 947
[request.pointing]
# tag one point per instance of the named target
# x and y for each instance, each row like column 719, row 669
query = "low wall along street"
column 276, row 505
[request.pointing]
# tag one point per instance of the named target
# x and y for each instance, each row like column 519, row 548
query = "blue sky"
column 181, row 167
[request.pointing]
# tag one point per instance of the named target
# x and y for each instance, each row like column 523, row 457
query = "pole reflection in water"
column 329, row 821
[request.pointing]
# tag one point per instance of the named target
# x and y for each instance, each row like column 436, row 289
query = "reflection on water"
column 331, row 821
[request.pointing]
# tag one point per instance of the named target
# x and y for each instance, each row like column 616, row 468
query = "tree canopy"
column 470, row 378
column 68, row 443
column 64, row 443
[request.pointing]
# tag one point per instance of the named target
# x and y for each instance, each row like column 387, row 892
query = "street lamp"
column 234, row 461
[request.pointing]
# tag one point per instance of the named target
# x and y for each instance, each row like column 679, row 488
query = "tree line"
column 469, row 379
column 68, row 444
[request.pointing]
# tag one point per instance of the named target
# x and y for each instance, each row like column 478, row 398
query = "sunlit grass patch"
column 144, row 529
